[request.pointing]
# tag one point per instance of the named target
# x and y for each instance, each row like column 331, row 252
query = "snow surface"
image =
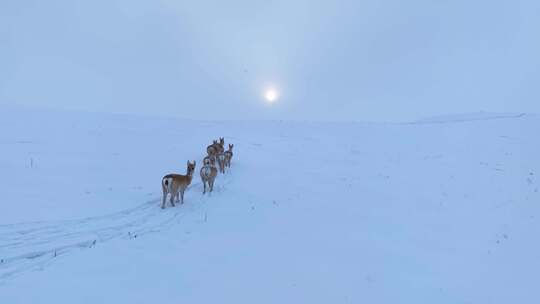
column 309, row 212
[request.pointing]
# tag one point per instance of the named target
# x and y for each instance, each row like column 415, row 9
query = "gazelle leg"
column 164, row 199
column 173, row 196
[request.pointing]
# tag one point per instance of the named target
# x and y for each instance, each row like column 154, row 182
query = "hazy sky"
column 334, row 60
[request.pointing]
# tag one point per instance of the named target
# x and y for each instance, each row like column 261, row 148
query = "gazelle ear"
column 188, row 163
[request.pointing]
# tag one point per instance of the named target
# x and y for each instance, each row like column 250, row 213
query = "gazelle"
column 228, row 156
column 216, row 147
column 221, row 145
column 208, row 174
column 221, row 162
column 212, row 149
column 176, row 184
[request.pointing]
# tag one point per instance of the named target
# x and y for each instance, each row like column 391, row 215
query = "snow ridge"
column 476, row 116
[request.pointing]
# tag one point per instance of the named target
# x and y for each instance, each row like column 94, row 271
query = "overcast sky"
column 389, row 60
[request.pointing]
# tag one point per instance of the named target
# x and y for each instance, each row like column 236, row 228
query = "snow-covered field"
column 443, row 210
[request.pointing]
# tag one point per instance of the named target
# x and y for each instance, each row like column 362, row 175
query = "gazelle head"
column 230, row 147
column 222, row 141
column 190, row 167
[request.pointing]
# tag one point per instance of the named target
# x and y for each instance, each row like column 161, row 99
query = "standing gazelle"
column 208, row 174
column 221, row 145
column 212, row 149
column 228, row 156
column 176, row 184
column 216, row 147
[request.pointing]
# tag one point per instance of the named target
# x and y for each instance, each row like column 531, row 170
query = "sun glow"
column 271, row 95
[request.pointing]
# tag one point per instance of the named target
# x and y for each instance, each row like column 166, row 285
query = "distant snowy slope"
column 468, row 117
column 309, row 212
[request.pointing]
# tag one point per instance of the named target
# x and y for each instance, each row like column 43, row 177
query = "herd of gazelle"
column 176, row 184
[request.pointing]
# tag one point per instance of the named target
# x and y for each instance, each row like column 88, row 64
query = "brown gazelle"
column 208, row 174
column 228, row 156
column 221, row 145
column 212, row 149
column 176, row 184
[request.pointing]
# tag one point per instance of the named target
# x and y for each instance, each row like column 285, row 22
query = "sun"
column 271, row 95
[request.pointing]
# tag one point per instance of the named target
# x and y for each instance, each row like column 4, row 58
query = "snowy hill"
column 309, row 212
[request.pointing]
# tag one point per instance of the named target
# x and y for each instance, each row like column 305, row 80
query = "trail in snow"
column 33, row 245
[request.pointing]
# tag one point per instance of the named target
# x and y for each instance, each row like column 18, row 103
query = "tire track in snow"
column 34, row 245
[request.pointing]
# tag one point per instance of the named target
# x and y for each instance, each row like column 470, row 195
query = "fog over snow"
column 384, row 151
column 330, row 60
